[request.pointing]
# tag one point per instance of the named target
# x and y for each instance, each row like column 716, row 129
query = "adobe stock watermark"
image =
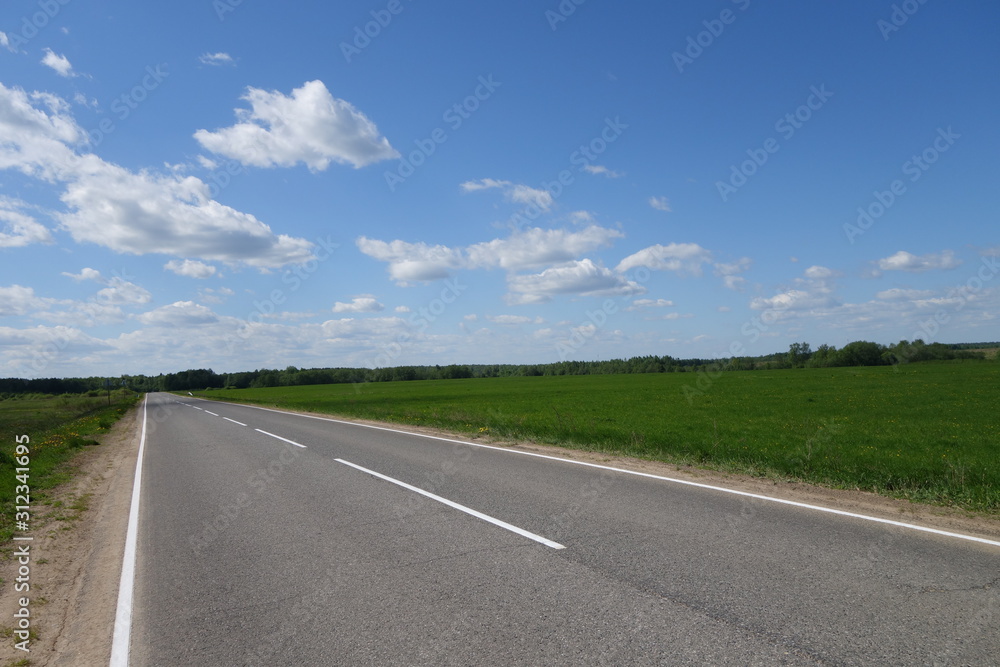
column 455, row 116
column 899, row 16
column 753, row 329
column 596, row 320
column 786, row 126
column 562, row 12
column 914, row 168
column 35, row 23
column 959, row 297
column 699, row 42
column 294, row 279
column 223, row 7
column 364, row 34
column 582, row 157
column 420, row 321
column 125, row 104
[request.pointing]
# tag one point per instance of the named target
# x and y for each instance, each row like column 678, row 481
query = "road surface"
column 267, row 538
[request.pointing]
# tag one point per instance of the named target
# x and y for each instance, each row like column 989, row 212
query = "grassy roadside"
column 58, row 427
column 926, row 432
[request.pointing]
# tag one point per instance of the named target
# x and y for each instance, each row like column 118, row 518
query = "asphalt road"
column 256, row 551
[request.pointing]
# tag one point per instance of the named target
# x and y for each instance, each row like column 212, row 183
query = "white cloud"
column 85, row 274
column 367, row 329
column 515, row 192
column 660, row 204
column 18, row 229
column 412, row 261
column 125, row 211
column 310, row 126
column 513, row 319
column 402, row 309
column 730, row 273
column 794, row 299
column 537, row 247
column 59, row 63
column 142, row 213
column 531, row 248
column 904, row 261
column 216, row 59
column 581, row 277
column 359, row 304
column 179, row 314
column 682, row 258
column 814, row 292
column 898, row 294
column 649, row 303
column 190, row 268
column 207, row 163
column 121, row 292
column 20, row 300
column 5, row 42
column 599, row 170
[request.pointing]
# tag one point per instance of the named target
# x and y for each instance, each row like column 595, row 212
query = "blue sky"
column 239, row 185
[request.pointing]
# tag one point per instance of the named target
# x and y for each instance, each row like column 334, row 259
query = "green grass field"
column 929, row 432
column 58, row 426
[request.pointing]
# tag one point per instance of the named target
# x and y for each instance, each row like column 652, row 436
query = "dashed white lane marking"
column 461, row 508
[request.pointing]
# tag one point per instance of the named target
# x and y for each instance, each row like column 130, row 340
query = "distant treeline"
column 799, row 355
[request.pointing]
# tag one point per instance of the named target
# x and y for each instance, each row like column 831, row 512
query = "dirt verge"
column 76, row 554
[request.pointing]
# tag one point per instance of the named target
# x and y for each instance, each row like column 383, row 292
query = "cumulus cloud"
column 412, row 261
column 682, row 258
column 536, row 247
column 638, row 304
column 813, row 292
column 528, row 249
column 179, row 314
column 599, row 170
column 190, row 268
column 85, row 274
column 58, row 62
column 513, row 319
column 904, row 261
column 359, row 304
column 310, row 126
column 20, row 300
column 216, row 59
column 660, row 204
column 514, row 192
column 18, row 229
column 730, row 273
column 582, row 277
column 899, row 294
column 352, row 329
column 141, row 213
column 131, row 212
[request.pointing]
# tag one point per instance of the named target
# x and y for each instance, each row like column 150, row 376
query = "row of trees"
column 799, row 355
column 864, row 353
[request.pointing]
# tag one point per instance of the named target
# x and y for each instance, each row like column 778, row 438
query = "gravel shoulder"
column 76, row 556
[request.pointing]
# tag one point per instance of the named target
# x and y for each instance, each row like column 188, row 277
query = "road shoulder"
column 76, row 561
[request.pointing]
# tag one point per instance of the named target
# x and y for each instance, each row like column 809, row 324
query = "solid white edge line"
column 234, row 421
column 461, row 508
column 817, row 508
column 123, row 615
column 291, row 442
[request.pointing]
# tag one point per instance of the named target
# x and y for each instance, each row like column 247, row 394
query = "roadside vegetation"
column 928, row 432
column 58, row 427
